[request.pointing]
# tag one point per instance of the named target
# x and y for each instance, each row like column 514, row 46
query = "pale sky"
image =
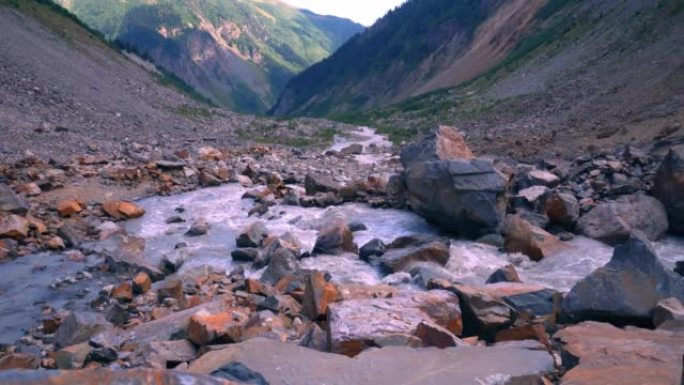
column 365, row 12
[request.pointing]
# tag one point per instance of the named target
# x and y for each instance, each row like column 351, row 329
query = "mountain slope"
column 238, row 53
column 420, row 47
column 583, row 74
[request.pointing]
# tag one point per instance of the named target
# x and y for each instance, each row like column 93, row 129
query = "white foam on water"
column 375, row 146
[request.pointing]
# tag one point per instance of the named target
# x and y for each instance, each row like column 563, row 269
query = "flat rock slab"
column 608, row 355
column 108, row 377
column 286, row 364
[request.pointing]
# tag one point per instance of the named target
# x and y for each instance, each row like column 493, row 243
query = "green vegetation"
column 263, row 43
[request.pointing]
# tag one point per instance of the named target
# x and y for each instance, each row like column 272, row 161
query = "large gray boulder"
column 282, row 363
column 627, row 289
column 612, row 222
column 466, row 197
column 443, row 143
column 668, row 187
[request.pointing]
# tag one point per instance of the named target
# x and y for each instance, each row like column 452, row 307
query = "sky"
column 365, row 12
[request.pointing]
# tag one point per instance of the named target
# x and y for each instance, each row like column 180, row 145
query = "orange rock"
column 37, row 225
column 123, row 209
column 69, row 207
column 55, row 243
column 253, row 286
column 142, row 283
column 318, row 294
column 527, row 332
column 19, row 361
column 451, row 144
column 123, row 292
column 523, row 237
column 14, row 226
column 224, row 327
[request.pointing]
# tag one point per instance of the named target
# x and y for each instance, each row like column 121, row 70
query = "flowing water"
column 25, row 284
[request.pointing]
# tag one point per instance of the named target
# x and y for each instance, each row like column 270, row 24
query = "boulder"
column 122, row 209
column 523, row 237
column 483, row 314
column 535, row 303
column 142, row 283
column 283, row 262
column 69, row 207
column 73, row 357
column 14, row 226
column 10, row 202
column 355, row 325
column 315, row 183
column 318, row 295
column 78, row 327
column 108, row 377
column 668, row 186
column 353, row 149
column 123, row 292
column 466, row 197
column 236, row 371
column 504, row 274
column 374, row 248
column 165, row 354
column 391, row 365
column 19, row 361
column 543, row 178
column 669, row 314
column 530, row 198
column 444, row 143
column 627, row 289
column 562, row 209
column 246, row 254
column 335, row 238
column 198, row 228
column 253, row 235
column 599, row 353
column 612, row 222
column 397, row 260
column 205, row 328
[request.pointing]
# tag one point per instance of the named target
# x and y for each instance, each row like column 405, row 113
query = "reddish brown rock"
column 19, row 361
column 205, row 328
column 109, row 377
column 526, row 332
column 13, row 226
column 523, row 237
column 142, row 283
column 69, row 207
column 123, row 292
column 607, row 355
column 55, row 243
column 435, row 335
column 123, row 209
column 318, row 294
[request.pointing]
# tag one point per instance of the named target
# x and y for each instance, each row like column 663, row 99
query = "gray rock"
column 536, row 303
column 562, row 209
column 282, row 263
column 504, row 274
column 483, row 314
column 374, row 247
column 335, row 238
column 399, row 259
column 78, row 327
column 391, row 365
column 443, row 143
column 315, row 183
column 466, row 197
column 198, row 228
column 253, row 235
column 669, row 314
column 612, row 222
column 246, row 254
column 164, row 354
column 10, row 202
column 627, row 289
column 353, row 149
column 668, row 187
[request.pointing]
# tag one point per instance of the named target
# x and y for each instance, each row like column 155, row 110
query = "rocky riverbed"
column 362, row 263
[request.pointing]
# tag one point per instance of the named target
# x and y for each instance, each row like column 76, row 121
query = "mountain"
column 517, row 76
column 65, row 91
column 237, row 53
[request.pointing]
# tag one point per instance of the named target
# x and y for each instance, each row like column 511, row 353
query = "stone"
column 522, row 333
column 391, row 365
column 55, row 243
column 123, row 292
column 142, row 283
column 30, row 189
column 599, row 353
column 353, row 149
column 73, row 357
column 465, row 197
column 444, row 143
column 397, row 260
column 318, row 295
column 14, row 226
column 19, row 361
column 165, row 354
column 198, row 228
column 435, row 335
column 236, row 371
column 69, row 207
column 78, row 327
column 125, row 254
column 10, row 202
column 483, row 314
column 355, row 325
column 530, row 198
column 283, row 262
column 122, row 209
column 543, row 178
column 244, row 180
column 315, row 183
column 504, row 274
column 170, row 288
column 669, row 314
column 536, row 303
column 374, row 248
column 668, row 187
column 523, row 237
column 246, row 254
column 627, row 289
column 108, row 377
column 612, row 222
column 253, row 235
column 562, row 209
column 335, row 238
column 205, row 328
column 170, row 165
